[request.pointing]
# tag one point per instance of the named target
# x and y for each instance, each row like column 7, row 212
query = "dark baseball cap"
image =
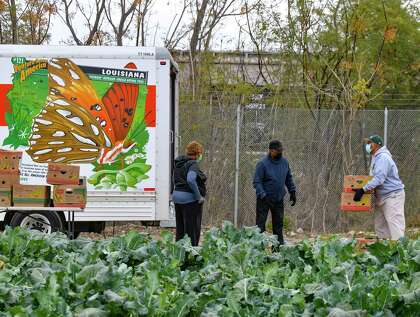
column 375, row 139
column 275, row 145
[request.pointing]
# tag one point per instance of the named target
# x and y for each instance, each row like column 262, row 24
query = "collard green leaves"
column 233, row 273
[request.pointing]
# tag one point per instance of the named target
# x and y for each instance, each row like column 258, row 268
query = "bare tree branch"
column 126, row 17
column 142, row 10
column 174, row 39
column 198, row 23
column 93, row 26
column 67, row 21
column 257, row 46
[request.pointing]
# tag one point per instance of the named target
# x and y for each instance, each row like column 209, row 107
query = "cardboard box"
column 362, row 244
column 66, row 174
column 9, row 161
column 355, row 182
column 6, row 196
column 365, row 241
column 9, row 179
column 31, row 195
column 70, row 195
column 347, row 203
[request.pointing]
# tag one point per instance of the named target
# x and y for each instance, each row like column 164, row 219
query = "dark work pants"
column 277, row 214
column 188, row 221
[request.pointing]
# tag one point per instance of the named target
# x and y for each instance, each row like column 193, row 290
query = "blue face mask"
column 200, row 157
column 368, row 148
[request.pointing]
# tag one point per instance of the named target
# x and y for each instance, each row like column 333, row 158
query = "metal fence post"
column 386, row 126
column 237, row 159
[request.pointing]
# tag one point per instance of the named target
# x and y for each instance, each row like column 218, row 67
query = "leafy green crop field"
column 233, row 273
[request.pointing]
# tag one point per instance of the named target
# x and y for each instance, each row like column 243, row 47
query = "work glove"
column 293, row 198
column 358, row 194
column 201, row 200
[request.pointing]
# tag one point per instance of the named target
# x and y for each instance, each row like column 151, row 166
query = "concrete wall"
column 246, row 66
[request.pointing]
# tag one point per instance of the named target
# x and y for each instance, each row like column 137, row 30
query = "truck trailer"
column 111, row 110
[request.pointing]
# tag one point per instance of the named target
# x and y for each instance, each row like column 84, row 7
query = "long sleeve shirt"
column 385, row 174
column 181, row 197
column 272, row 177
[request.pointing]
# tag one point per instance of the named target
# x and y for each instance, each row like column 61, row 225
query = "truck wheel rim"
column 37, row 222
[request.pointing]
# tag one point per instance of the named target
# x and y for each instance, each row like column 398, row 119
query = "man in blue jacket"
column 388, row 188
column 272, row 176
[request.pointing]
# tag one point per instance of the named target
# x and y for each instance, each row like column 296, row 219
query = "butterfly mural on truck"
column 76, row 126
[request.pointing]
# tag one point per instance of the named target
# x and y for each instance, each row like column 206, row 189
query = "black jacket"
column 182, row 165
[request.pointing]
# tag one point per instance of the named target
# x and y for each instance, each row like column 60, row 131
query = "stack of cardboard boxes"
column 69, row 189
column 352, row 183
column 9, row 175
column 11, row 192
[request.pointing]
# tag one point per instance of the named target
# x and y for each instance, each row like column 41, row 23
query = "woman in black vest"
column 189, row 192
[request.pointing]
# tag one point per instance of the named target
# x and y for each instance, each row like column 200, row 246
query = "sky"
column 159, row 21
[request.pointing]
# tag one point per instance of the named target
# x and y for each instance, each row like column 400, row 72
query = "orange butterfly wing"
column 120, row 103
column 75, row 126
column 65, row 132
column 68, row 80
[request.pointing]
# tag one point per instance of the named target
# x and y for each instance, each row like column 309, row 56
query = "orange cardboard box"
column 355, row 182
column 362, row 243
column 347, row 203
column 6, row 196
column 365, row 241
column 9, row 179
column 31, row 195
column 66, row 174
column 9, row 161
column 70, row 195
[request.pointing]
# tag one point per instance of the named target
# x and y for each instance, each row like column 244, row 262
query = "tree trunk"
column 143, row 33
column 93, row 33
column 13, row 20
column 1, row 33
column 119, row 39
column 138, row 25
column 197, row 27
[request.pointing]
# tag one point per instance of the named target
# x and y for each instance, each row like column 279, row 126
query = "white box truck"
column 111, row 110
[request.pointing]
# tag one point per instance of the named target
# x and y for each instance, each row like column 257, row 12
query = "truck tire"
column 43, row 221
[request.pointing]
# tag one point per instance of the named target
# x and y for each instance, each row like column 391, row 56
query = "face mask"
column 368, row 148
column 200, row 157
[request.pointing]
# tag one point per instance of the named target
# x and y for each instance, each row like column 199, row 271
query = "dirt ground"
column 120, row 229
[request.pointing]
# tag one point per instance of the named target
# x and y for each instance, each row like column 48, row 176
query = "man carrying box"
column 389, row 191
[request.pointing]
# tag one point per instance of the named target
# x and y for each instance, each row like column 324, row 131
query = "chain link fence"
column 322, row 146
column 212, row 122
